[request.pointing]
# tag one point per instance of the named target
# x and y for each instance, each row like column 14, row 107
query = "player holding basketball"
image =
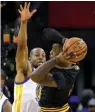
column 57, row 76
column 24, row 90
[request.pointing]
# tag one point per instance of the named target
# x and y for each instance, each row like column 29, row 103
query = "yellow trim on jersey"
column 1, row 95
column 18, row 95
column 38, row 91
column 65, row 108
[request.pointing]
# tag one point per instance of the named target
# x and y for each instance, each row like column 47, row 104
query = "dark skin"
column 56, row 50
column 42, row 75
column 37, row 57
column 23, row 66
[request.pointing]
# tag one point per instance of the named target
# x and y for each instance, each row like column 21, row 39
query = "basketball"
column 78, row 46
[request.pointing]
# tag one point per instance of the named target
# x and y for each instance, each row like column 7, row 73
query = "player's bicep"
column 21, row 58
column 48, row 81
column 55, row 80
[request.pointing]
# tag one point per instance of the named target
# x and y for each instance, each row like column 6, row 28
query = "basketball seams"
column 76, row 46
column 79, row 55
column 84, row 47
column 70, row 45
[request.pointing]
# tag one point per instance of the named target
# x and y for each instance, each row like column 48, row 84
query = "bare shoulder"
column 7, row 107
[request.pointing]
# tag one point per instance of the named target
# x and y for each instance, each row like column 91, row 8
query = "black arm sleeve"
column 64, row 78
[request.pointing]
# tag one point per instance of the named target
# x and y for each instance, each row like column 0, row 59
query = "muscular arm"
column 57, row 79
column 22, row 50
column 42, row 76
column 7, row 107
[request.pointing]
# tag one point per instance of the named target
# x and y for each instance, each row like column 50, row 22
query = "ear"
column 30, row 60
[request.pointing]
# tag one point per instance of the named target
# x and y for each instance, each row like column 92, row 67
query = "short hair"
column 31, row 52
column 52, row 35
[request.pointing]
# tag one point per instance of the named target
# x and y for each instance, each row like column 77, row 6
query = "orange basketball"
column 78, row 46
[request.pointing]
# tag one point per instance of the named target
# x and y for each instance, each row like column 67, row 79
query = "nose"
column 40, row 57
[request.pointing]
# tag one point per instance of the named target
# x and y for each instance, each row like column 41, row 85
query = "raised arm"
column 22, row 49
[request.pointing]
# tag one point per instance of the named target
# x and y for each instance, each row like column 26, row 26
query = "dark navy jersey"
column 58, row 96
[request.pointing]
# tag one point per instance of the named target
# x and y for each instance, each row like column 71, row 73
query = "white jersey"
column 25, row 97
column 3, row 100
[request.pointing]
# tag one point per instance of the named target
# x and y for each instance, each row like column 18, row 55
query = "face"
column 56, row 49
column 37, row 57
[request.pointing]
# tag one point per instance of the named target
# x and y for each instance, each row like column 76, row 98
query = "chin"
column 39, row 64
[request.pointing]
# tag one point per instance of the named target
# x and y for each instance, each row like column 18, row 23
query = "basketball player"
column 5, row 105
column 57, row 76
column 37, row 57
column 24, row 91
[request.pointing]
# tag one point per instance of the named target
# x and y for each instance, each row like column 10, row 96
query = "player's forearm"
column 22, row 50
column 22, row 36
column 43, row 70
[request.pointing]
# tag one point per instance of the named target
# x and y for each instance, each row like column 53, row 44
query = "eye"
column 36, row 55
column 43, row 55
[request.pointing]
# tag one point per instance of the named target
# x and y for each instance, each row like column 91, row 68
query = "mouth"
column 40, row 62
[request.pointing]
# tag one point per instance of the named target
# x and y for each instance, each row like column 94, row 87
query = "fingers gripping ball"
column 76, row 48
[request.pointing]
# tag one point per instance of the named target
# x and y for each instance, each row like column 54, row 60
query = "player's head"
column 56, row 39
column 2, row 78
column 37, row 57
column 56, row 49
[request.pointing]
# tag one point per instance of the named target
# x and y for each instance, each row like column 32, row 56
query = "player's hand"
column 25, row 13
column 65, row 58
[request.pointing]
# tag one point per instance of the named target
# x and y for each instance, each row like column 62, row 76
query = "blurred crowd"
column 83, row 103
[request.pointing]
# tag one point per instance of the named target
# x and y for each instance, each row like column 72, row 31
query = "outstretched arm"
column 22, row 49
column 42, row 74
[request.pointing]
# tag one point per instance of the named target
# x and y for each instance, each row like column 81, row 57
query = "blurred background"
column 69, row 18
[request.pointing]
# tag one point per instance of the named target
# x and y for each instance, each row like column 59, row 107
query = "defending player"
column 24, row 89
